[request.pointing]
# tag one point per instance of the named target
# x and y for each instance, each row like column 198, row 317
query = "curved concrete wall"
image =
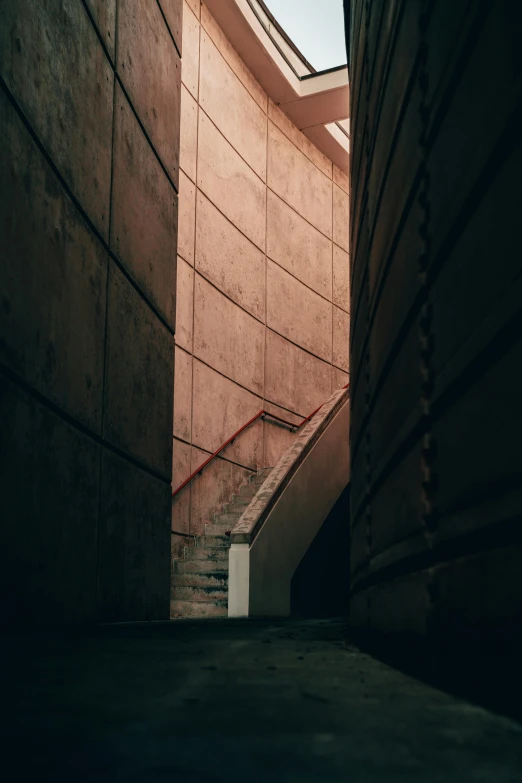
column 89, row 129
column 262, row 303
column 436, row 350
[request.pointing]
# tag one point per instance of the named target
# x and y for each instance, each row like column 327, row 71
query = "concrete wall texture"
column 263, row 274
column 436, row 353
column 89, row 127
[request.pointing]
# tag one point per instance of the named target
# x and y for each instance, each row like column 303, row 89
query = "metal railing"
column 262, row 414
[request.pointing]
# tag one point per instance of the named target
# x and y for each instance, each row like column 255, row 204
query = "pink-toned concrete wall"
column 263, row 273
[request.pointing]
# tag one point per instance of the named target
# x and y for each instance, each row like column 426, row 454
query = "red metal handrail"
column 259, row 414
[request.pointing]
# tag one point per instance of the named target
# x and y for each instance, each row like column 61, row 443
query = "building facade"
column 263, row 272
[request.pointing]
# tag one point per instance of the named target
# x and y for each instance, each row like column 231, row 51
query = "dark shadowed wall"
column 436, row 354
column 89, row 130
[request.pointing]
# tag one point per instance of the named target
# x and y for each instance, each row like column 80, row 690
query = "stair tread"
column 211, row 579
column 199, row 580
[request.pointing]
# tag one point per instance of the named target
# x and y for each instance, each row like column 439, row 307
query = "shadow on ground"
column 208, row 701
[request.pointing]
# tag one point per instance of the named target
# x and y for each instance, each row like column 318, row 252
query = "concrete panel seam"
column 496, row 536
column 116, row 75
column 198, row 109
column 313, row 290
column 105, row 336
column 78, row 425
column 298, row 213
column 428, row 485
column 77, row 204
column 297, row 148
column 138, row 290
column 168, row 28
column 231, row 145
column 99, row 36
column 146, row 135
column 368, row 463
column 492, row 167
column 219, row 456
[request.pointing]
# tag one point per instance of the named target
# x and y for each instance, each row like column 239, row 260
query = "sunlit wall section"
column 263, row 301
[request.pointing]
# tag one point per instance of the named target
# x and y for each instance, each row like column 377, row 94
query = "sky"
column 315, row 26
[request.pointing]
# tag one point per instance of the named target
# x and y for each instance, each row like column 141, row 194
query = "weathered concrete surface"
column 258, row 307
column 186, row 218
column 230, row 183
column 341, row 226
column 297, row 246
column 227, row 338
column 86, row 360
column 436, row 350
column 295, row 375
column 133, row 543
column 183, row 393
column 281, row 521
column 231, row 107
column 57, row 72
column 104, row 15
column 144, row 212
column 60, row 353
column 237, row 405
column 229, row 260
column 213, row 487
column 341, row 278
column 277, row 116
column 341, row 333
column 188, row 134
column 184, row 305
column 233, row 59
column 292, row 702
column 140, row 369
column 305, row 318
column 298, row 182
column 173, row 12
column 190, row 65
column 50, row 475
column 150, row 69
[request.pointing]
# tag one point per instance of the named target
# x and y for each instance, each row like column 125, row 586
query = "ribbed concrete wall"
column 436, row 314
column 263, row 299
column 89, row 129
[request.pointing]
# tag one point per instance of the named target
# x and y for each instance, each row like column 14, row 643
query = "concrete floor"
column 201, row 702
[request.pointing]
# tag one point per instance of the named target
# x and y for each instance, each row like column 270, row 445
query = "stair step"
column 208, row 566
column 221, row 530
column 232, row 516
column 248, row 491
column 259, row 478
column 239, row 500
column 199, row 579
column 222, row 520
column 180, row 608
column 208, row 542
column 235, row 507
column 206, row 554
column 199, row 593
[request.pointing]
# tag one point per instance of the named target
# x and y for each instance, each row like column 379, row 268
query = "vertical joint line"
column 368, row 514
column 428, row 479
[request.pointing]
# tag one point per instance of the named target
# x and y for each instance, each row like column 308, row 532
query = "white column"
column 238, row 580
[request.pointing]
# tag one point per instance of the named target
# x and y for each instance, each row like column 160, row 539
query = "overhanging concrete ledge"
column 314, row 101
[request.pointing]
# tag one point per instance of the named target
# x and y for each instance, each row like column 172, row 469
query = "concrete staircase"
column 199, row 580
